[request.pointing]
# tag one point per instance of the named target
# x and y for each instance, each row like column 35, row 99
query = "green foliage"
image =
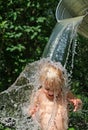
column 80, row 71
column 80, row 84
column 2, row 127
column 25, row 27
column 71, row 129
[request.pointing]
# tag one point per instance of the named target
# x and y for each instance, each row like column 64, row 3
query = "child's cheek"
column 45, row 91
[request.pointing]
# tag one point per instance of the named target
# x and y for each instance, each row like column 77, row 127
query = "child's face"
column 50, row 92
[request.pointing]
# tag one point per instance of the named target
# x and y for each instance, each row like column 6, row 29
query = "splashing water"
column 15, row 101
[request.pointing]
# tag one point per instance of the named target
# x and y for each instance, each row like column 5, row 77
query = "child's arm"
column 33, row 105
column 76, row 102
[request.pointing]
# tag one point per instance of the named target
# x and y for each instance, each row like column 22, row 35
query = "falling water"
column 61, row 39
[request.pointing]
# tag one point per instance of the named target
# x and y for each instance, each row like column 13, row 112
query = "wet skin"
column 44, row 104
column 49, row 92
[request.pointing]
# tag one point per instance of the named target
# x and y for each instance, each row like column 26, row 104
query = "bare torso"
column 51, row 115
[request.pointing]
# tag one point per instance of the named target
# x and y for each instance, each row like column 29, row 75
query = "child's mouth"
column 51, row 95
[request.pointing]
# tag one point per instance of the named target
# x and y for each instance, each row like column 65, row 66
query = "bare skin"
column 43, row 106
column 50, row 105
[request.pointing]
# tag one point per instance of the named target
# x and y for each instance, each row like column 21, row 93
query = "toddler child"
column 49, row 104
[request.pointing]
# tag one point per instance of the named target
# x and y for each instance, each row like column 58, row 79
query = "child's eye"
column 47, row 89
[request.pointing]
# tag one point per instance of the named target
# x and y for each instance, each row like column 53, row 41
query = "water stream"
column 63, row 35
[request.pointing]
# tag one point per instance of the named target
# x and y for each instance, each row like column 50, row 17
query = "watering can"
column 71, row 16
column 74, row 8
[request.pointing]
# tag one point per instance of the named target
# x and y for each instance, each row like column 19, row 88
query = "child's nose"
column 50, row 92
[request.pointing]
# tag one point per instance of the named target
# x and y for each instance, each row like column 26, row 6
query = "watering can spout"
column 78, row 19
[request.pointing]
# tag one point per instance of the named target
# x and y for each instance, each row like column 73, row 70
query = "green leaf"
column 41, row 19
column 28, row 4
column 1, row 127
column 19, row 48
column 14, row 16
column 4, row 24
column 71, row 129
column 18, row 35
column 34, row 35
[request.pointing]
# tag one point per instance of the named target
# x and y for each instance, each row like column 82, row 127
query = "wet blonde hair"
column 51, row 76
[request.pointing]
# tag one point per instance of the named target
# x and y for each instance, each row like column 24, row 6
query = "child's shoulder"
column 39, row 91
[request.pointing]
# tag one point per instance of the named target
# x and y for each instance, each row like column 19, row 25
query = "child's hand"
column 77, row 104
column 32, row 111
